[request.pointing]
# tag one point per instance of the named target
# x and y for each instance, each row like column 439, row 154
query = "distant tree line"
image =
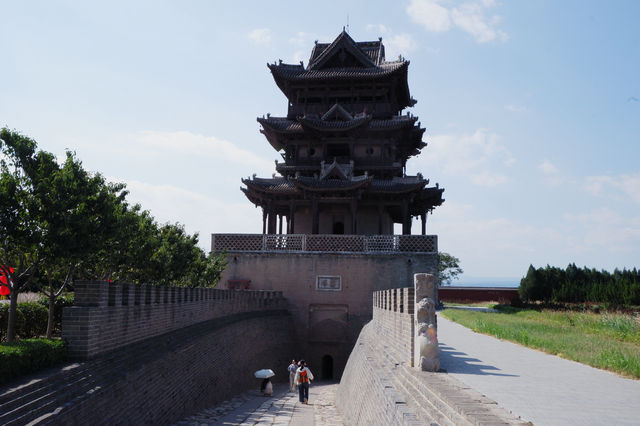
column 580, row 285
column 60, row 223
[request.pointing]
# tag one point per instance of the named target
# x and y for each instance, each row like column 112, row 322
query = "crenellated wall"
column 381, row 385
column 107, row 315
column 153, row 355
column 393, row 320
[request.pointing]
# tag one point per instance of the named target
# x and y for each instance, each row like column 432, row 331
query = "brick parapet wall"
column 393, row 320
column 107, row 316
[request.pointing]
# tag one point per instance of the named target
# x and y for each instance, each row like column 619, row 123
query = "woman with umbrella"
column 266, row 387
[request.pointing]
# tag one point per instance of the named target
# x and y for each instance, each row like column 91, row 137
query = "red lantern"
column 4, row 290
column 3, row 280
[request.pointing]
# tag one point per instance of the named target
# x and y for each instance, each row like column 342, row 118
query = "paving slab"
column 541, row 388
column 283, row 408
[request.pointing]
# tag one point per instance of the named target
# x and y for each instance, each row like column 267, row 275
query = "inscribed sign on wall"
column 329, row 283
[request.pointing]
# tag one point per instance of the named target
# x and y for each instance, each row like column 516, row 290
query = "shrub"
column 31, row 320
column 29, row 355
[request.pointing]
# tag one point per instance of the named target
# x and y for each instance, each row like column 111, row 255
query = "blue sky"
column 532, row 110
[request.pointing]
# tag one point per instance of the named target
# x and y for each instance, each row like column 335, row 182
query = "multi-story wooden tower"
column 341, row 187
column 345, row 142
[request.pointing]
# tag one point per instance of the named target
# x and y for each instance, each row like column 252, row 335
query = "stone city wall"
column 153, row 355
column 367, row 394
column 166, row 378
column 106, row 316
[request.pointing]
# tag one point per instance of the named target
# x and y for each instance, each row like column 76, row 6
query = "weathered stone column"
column 426, row 356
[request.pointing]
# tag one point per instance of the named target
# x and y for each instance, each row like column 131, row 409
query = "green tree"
column 448, row 268
column 19, row 229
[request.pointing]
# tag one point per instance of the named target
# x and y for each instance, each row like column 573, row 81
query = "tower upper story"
column 345, row 106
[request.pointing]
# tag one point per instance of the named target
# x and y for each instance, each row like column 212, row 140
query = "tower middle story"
column 328, row 214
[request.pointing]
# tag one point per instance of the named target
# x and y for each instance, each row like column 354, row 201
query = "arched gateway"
column 329, row 213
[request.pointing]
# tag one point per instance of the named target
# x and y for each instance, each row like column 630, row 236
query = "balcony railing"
column 324, row 243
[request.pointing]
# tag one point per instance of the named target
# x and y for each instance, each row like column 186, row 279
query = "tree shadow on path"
column 454, row 361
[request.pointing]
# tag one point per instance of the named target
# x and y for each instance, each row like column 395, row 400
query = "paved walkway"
column 251, row 408
column 541, row 388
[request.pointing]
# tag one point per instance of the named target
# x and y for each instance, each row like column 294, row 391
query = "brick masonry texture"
column 295, row 275
column 152, row 355
column 381, row 387
column 107, row 316
column 185, row 371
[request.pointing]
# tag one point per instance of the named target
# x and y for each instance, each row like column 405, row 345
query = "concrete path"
column 251, row 408
column 541, row 388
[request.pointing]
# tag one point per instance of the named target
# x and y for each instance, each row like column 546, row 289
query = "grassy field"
column 607, row 340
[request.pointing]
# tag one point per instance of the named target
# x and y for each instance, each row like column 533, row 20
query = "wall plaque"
column 329, row 283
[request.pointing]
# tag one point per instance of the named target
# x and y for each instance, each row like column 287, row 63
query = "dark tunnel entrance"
column 327, row 367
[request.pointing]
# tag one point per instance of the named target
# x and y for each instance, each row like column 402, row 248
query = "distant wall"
column 478, row 294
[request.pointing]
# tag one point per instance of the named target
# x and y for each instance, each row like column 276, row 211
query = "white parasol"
column 264, row 373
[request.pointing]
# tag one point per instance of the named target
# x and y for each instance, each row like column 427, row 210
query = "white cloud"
column 190, row 144
column 199, row 213
column 395, row 44
column 471, row 17
column 603, row 230
column 261, row 36
column 430, row 14
column 399, row 44
column 491, row 246
column 621, row 186
column 516, row 108
column 548, row 168
column 479, row 156
column 489, row 179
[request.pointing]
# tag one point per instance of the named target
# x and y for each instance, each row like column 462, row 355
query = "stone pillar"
column 426, row 356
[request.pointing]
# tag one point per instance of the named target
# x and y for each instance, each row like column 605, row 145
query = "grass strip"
column 607, row 341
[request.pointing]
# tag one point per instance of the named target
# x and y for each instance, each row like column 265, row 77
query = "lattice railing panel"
column 236, row 242
column 417, row 243
column 381, row 243
column 325, row 243
column 335, row 243
column 284, row 242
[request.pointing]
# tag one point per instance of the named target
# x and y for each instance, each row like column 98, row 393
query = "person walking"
column 292, row 375
column 303, row 378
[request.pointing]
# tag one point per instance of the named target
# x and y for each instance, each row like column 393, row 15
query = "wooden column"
column 279, row 224
column 406, row 219
column 271, row 221
column 315, row 224
column 380, row 214
column 423, row 216
column 354, row 217
column 290, row 221
column 264, row 220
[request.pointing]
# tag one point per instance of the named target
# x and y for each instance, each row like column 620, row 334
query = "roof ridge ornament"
column 339, row 111
column 342, row 43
